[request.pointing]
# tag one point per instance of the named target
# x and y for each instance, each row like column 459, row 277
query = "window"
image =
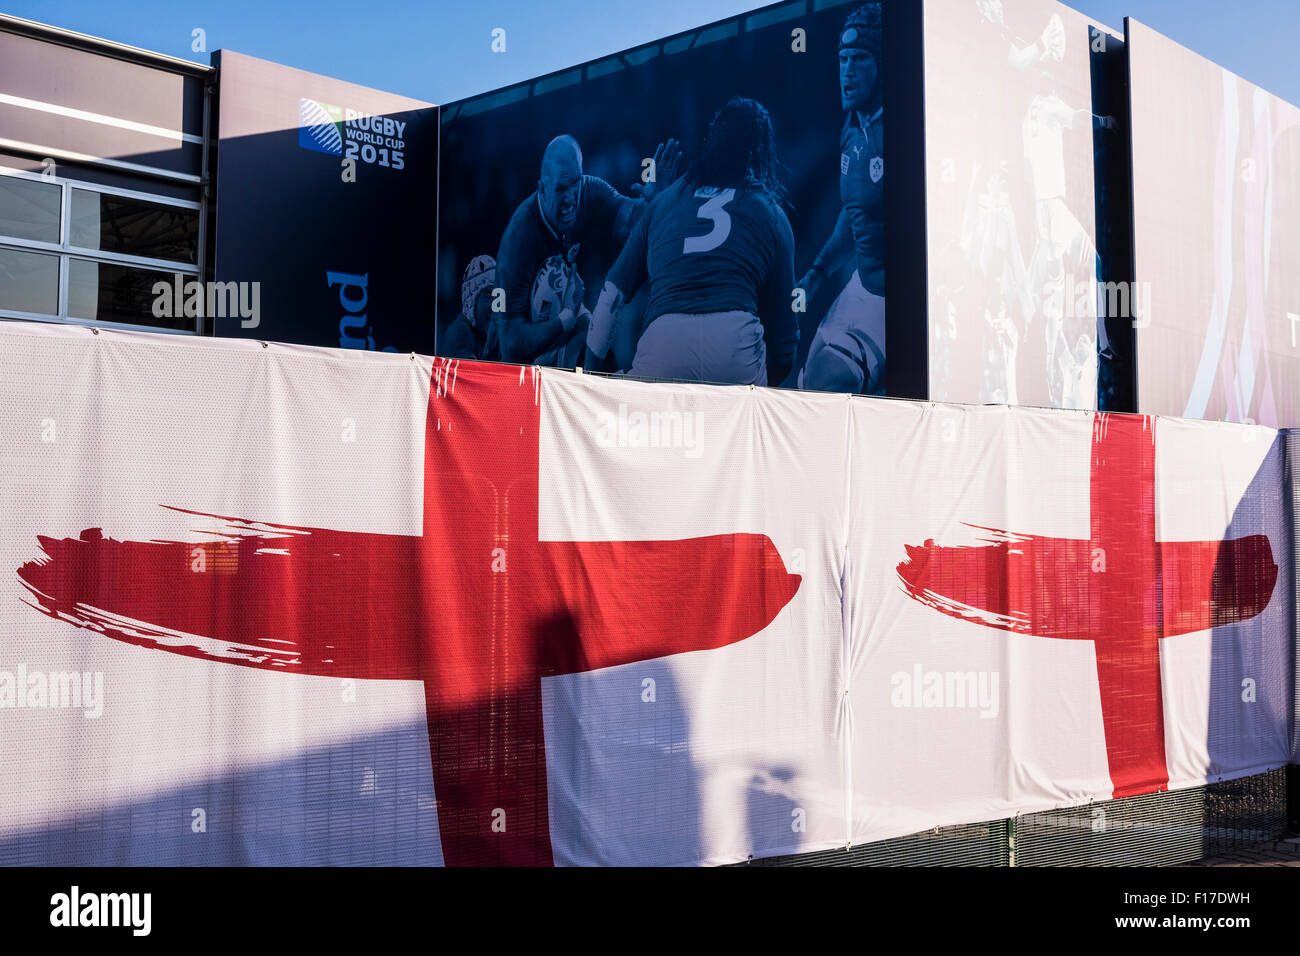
column 79, row 252
column 108, row 292
column 29, row 209
column 29, row 282
column 134, row 227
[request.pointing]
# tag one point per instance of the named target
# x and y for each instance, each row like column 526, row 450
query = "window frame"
column 66, row 251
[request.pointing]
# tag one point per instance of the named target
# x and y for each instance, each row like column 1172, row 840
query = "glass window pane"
column 29, row 282
column 29, row 209
column 107, row 292
column 134, row 227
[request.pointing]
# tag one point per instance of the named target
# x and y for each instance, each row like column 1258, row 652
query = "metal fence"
column 1158, row 829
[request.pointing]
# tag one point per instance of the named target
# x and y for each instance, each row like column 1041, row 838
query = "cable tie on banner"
column 578, row 369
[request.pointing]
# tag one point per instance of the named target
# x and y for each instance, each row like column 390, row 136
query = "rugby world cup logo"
column 320, row 127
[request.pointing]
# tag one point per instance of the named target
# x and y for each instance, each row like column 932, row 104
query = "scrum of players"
column 708, row 247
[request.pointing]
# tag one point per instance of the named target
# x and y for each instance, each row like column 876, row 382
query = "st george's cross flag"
column 271, row 604
column 1084, row 606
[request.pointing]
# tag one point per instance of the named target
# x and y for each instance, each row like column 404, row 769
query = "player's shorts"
column 724, row 348
column 849, row 343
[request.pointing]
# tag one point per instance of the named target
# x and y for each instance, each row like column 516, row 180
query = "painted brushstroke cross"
column 477, row 607
column 1120, row 588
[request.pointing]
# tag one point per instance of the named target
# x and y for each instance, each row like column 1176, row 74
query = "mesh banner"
column 266, row 604
column 1292, row 444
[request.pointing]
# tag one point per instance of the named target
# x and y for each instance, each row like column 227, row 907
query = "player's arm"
column 667, row 159
column 519, row 339
column 1057, row 110
column 621, row 283
column 838, row 248
column 776, row 306
column 1022, row 57
column 1097, row 120
column 626, row 217
column 626, row 211
column 1050, row 45
column 607, row 205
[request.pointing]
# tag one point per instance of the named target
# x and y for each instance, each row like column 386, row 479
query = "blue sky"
column 441, row 50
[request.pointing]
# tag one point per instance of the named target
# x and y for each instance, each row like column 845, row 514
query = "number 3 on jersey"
column 711, row 210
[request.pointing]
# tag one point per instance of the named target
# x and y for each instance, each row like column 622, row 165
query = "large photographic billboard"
column 1024, row 119
column 1216, row 203
column 327, row 199
column 720, row 206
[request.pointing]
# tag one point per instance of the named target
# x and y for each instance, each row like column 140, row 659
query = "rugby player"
column 718, row 253
column 466, row 335
column 567, row 210
column 847, row 353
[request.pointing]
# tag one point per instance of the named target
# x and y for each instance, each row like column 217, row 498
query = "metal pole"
column 205, row 194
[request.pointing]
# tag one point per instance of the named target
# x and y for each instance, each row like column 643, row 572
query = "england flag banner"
column 269, row 604
column 1081, row 606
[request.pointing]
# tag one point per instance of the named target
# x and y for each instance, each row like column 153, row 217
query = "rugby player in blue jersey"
column 568, row 209
column 718, row 253
column 847, row 353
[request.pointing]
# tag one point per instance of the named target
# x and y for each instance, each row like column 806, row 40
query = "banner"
column 711, row 207
column 1051, row 608
column 383, row 609
column 327, row 203
column 1026, row 206
column 1216, row 162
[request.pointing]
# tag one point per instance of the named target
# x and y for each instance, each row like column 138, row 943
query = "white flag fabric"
column 273, row 604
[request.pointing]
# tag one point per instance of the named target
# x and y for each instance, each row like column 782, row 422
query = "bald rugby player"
column 568, row 209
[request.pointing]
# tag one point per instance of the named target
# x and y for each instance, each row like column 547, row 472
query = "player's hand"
column 592, row 362
column 600, row 330
column 568, row 318
column 666, row 159
column 810, row 283
column 991, row 10
column 574, row 292
column 1053, row 39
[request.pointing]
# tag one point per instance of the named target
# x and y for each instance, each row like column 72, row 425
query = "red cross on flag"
column 1098, row 599
column 384, row 609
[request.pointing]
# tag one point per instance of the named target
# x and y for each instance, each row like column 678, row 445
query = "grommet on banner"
column 264, row 345
column 94, row 331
